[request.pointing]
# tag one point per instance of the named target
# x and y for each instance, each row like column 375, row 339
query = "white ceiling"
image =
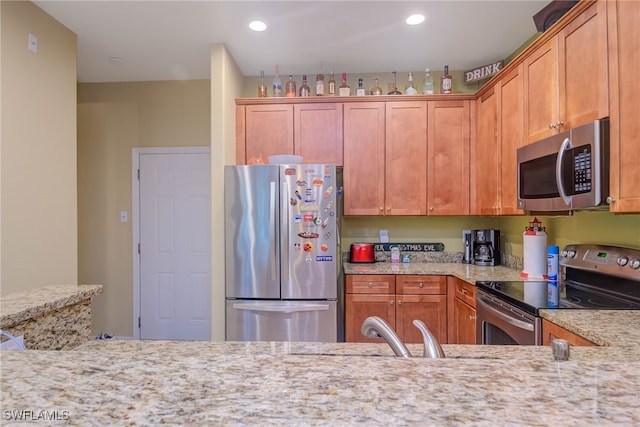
column 168, row 40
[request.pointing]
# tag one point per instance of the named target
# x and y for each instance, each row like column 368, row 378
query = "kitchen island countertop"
column 106, row 382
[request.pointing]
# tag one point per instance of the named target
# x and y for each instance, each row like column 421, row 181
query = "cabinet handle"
column 431, row 209
column 611, row 200
column 559, row 123
column 399, row 302
column 552, row 126
column 472, row 317
column 370, row 285
column 391, row 302
column 464, row 291
column 421, row 285
column 381, row 209
column 388, row 208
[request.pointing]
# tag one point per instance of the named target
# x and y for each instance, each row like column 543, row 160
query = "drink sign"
column 483, row 72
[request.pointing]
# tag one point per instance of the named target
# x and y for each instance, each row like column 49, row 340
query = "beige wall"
column 226, row 86
column 112, row 119
column 39, row 182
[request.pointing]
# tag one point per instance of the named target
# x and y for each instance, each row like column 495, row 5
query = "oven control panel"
column 613, row 260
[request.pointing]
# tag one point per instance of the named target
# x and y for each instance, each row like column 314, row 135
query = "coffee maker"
column 482, row 247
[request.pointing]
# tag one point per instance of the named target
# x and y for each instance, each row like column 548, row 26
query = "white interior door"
column 175, row 246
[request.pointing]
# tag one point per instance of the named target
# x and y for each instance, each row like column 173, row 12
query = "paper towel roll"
column 535, row 255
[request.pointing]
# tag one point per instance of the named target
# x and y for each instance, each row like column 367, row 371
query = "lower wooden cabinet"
column 462, row 306
column 398, row 300
column 551, row 331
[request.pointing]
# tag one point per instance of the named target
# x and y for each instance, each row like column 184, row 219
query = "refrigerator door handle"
column 284, row 234
column 276, row 308
column 272, row 228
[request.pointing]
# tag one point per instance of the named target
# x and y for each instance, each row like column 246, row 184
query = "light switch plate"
column 124, row 216
column 33, row 43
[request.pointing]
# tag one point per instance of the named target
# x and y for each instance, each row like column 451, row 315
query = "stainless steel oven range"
column 592, row 277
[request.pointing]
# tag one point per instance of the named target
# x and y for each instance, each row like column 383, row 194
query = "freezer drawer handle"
column 281, row 308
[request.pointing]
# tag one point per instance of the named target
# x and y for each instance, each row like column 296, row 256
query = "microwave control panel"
column 582, row 169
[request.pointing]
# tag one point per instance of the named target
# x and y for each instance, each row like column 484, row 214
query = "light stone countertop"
column 107, row 382
column 19, row 306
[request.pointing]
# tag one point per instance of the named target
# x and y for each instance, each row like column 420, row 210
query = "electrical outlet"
column 124, row 216
column 33, row 43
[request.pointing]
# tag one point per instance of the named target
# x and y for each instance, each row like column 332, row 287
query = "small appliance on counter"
column 362, row 253
column 481, row 247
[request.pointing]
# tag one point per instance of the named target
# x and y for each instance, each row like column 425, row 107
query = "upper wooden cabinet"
column 624, row 60
column 565, row 78
column 313, row 131
column 364, row 146
column 448, row 158
column 385, row 153
column 493, row 166
column 317, row 135
column 263, row 131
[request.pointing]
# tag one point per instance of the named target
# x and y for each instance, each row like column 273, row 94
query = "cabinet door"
column 360, row 306
column 448, row 154
column 364, row 162
column 268, row 130
column 624, row 61
column 583, row 83
column 464, row 319
column 406, row 158
column 318, row 132
column 541, row 91
column 551, row 331
column 431, row 309
column 485, row 157
column 510, row 122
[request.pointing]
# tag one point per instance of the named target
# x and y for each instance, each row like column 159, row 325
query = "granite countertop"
column 107, row 382
column 261, row 383
column 467, row 272
column 19, row 306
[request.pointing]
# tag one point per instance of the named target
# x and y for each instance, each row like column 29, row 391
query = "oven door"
column 500, row 323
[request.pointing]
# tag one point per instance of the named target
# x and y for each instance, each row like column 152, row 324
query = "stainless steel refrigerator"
column 282, row 253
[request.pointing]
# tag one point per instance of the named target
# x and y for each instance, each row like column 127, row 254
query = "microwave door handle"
column 563, row 147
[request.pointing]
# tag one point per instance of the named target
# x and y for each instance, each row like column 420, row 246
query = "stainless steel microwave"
column 567, row 171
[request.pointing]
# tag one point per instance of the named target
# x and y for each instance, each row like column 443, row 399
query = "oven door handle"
column 514, row 322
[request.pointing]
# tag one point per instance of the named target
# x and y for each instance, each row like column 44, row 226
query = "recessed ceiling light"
column 415, row 19
column 116, row 60
column 257, row 25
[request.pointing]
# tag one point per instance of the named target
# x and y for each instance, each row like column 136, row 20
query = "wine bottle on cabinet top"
column 290, row 87
column 446, row 81
column 394, row 88
column 320, row 83
column 427, row 88
column 305, row 90
column 277, row 84
column 332, row 84
column 410, row 90
column 376, row 89
column 344, row 89
column 262, row 87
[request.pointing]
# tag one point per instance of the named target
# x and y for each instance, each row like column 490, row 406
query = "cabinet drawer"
column 371, row 284
column 421, row 285
column 465, row 292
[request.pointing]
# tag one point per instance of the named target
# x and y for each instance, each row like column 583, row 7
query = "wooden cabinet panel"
column 485, row 157
column 448, row 157
column 431, row 309
column 510, row 124
column 364, row 158
column 405, row 158
column 416, row 297
column 582, row 69
column 551, row 330
column 566, row 77
column 421, row 285
column 465, row 292
column 624, row 62
column 268, row 130
column 360, row 306
column 371, row 284
column 464, row 319
column 318, row 132
column 541, row 91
